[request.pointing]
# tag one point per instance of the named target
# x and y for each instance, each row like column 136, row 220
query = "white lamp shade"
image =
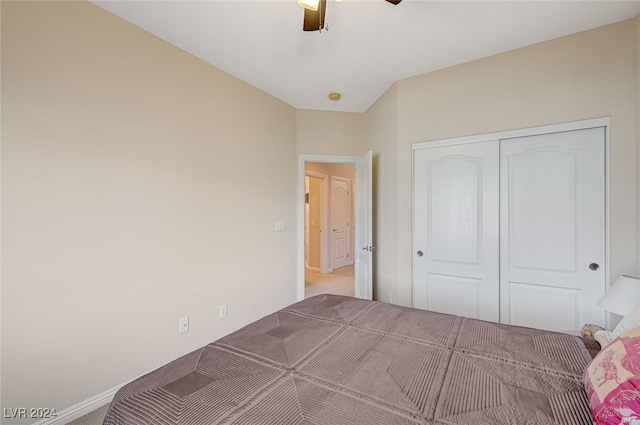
column 623, row 295
column 309, row 4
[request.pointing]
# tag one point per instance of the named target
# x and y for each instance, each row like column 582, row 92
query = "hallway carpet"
column 340, row 282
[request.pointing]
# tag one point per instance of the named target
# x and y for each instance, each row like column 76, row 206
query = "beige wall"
column 346, row 171
column 582, row 76
column 330, row 133
column 136, row 183
column 381, row 124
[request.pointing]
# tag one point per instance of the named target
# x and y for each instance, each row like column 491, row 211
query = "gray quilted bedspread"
column 339, row 360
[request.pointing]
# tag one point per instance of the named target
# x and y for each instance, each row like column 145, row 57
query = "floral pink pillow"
column 612, row 381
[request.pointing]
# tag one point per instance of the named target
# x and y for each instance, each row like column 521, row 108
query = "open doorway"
column 329, row 228
column 362, row 222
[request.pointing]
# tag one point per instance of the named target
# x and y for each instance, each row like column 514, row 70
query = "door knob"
column 594, row 266
column 420, row 253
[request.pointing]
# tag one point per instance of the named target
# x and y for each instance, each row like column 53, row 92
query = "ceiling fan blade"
column 314, row 20
column 394, row 1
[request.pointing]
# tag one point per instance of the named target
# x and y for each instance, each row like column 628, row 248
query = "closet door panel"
column 456, row 230
column 543, row 206
column 444, row 294
column 453, row 202
column 552, row 204
column 550, row 307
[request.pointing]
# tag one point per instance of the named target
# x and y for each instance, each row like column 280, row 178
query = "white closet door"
column 552, row 243
column 456, row 239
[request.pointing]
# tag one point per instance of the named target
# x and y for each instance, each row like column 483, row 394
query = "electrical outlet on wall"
column 183, row 324
column 222, row 311
column 390, row 297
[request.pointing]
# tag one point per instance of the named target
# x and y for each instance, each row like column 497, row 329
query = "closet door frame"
column 533, row 131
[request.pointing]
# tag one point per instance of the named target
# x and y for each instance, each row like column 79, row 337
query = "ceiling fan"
column 315, row 11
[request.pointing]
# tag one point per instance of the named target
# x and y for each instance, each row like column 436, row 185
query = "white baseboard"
column 314, row 269
column 74, row 412
column 89, row 405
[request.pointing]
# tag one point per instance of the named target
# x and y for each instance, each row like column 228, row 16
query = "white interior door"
column 340, row 217
column 364, row 225
column 456, row 225
column 552, row 246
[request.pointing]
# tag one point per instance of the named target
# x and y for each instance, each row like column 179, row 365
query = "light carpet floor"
column 340, row 282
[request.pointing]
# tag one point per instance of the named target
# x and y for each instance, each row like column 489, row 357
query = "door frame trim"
column 534, row 131
column 302, row 159
column 324, row 190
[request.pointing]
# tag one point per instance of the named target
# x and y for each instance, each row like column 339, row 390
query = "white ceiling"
column 370, row 43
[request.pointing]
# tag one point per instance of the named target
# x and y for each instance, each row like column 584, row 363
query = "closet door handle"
column 594, row 266
column 420, row 253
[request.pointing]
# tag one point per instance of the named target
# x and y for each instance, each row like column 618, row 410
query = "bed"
column 339, row 360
